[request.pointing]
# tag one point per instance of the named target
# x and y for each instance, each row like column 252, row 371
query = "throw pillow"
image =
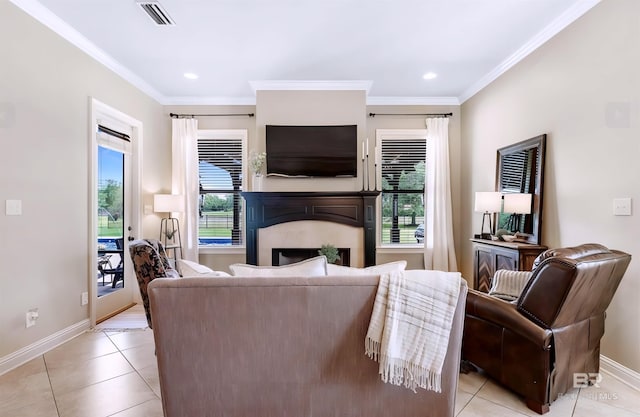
column 308, row 268
column 370, row 270
column 194, row 269
column 509, row 284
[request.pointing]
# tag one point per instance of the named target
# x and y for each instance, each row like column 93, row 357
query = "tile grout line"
column 53, row 394
column 135, row 369
column 133, row 406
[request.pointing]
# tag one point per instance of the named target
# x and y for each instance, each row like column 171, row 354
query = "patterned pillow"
column 308, row 268
column 371, row 270
column 509, row 284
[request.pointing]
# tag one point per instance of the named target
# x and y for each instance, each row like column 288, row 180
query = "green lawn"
column 406, row 233
column 109, row 228
column 219, row 224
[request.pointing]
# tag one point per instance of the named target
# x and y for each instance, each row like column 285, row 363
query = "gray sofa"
column 281, row 347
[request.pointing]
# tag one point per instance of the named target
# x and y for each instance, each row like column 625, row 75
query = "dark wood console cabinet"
column 491, row 255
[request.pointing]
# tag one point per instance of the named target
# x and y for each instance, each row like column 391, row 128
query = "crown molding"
column 557, row 25
column 36, row 10
column 251, row 101
column 53, row 22
column 412, row 101
column 311, row 85
column 209, row 101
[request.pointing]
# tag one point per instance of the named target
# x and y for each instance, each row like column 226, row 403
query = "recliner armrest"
column 505, row 314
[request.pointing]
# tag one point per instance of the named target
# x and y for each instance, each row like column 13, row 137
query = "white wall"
column 582, row 88
column 45, row 89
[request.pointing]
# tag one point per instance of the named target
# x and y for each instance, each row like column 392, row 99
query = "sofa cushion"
column 193, row 269
column 309, row 267
column 370, row 270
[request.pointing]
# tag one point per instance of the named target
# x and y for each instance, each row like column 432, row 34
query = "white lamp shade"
column 517, row 203
column 488, row 201
column 168, row 203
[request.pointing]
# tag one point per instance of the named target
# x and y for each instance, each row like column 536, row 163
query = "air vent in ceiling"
column 156, row 12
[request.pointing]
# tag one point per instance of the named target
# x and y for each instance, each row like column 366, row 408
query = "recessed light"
column 190, row 75
column 429, row 75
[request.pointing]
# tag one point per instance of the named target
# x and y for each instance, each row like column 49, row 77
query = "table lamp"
column 487, row 202
column 169, row 227
column 516, row 204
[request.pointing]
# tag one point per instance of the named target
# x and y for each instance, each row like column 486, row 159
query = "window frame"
column 399, row 134
column 242, row 135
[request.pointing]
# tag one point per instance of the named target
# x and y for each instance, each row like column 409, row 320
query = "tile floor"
column 110, row 372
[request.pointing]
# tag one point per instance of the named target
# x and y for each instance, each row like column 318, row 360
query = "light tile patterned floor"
column 113, row 373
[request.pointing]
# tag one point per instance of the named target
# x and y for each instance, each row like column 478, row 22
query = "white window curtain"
column 185, row 181
column 439, row 251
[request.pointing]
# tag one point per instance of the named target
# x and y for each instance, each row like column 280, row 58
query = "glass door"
column 113, row 276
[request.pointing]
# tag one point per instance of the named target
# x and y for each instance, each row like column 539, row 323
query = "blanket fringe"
column 401, row 372
column 372, row 349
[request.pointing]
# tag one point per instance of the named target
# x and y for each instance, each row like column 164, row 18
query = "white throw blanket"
column 410, row 326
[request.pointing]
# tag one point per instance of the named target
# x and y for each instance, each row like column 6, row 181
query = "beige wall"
column 310, row 108
column 571, row 89
column 45, row 89
column 328, row 107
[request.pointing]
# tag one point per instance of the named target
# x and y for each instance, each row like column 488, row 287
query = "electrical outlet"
column 84, row 299
column 31, row 317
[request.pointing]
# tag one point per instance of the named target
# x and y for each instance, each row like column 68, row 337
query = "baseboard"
column 624, row 374
column 27, row 353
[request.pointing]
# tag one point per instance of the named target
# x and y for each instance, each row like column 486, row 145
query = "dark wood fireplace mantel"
column 357, row 208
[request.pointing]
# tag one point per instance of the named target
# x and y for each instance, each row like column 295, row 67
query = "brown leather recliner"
column 535, row 344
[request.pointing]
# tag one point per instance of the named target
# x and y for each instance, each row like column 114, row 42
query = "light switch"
column 14, row 207
column 622, row 207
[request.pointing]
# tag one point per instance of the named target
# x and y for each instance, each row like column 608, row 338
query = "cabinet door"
column 506, row 260
column 484, row 268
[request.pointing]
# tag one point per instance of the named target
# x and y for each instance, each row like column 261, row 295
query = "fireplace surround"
column 355, row 208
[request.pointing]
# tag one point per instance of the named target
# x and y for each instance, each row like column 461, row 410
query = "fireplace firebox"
column 285, row 256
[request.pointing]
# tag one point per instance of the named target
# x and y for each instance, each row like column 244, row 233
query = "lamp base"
column 484, row 235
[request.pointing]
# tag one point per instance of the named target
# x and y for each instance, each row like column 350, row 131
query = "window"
column 403, row 164
column 221, row 159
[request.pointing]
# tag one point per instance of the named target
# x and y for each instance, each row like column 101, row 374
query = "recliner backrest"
column 569, row 285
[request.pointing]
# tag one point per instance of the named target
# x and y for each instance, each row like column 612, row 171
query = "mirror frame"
column 538, row 142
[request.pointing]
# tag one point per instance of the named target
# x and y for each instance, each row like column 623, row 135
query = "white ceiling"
column 388, row 44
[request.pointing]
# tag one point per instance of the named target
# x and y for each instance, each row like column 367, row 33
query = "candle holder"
column 368, row 181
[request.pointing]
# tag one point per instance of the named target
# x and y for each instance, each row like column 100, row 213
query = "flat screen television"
column 312, row 151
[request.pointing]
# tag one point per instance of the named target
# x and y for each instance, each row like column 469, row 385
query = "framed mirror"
column 520, row 178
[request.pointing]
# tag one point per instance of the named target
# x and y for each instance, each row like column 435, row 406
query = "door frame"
column 100, row 111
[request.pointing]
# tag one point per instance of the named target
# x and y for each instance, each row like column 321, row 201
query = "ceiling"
column 236, row 46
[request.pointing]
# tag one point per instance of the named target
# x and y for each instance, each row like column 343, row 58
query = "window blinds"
column 400, row 156
column 220, row 164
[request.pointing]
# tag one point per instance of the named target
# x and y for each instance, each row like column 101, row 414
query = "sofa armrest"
column 505, row 314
